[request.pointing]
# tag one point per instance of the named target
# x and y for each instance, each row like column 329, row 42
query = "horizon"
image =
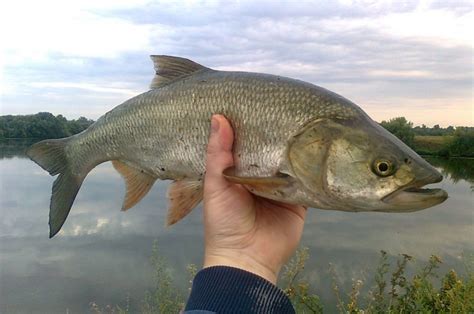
column 386, row 120
column 83, row 58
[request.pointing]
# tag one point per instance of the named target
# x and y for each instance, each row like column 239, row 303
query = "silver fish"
column 294, row 142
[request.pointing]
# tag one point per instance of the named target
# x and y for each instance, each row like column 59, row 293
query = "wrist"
column 242, row 261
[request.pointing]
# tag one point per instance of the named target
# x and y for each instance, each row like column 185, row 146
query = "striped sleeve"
column 222, row 289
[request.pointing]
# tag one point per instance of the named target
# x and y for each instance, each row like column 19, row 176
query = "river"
column 102, row 255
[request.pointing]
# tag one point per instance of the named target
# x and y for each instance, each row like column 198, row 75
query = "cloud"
column 84, row 86
column 56, row 27
column 392, row 58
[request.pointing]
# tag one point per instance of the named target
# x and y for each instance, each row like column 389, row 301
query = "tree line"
column 41, row 126
column 450, row 141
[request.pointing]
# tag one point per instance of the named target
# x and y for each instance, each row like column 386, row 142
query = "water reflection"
column 102, row 254
column 456, row 168
column 10, row 148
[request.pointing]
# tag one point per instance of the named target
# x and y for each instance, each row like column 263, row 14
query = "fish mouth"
column 413, row 196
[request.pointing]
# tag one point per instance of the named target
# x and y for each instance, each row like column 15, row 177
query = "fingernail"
column 214, row 125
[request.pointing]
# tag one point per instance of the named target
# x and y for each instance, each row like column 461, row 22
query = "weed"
column 297, row 289
column 393, row 292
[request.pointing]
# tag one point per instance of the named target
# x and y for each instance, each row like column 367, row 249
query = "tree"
column 463, row 143
column 401, row 128
column 42, row 125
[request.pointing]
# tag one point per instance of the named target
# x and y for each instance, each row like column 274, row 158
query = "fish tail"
column 51, row 156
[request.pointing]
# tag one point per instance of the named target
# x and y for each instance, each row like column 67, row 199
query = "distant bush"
column 438, row 141
column 401, row 128
column 462, row 144
column 445, row 142
column 43, row 125
column 436, row 130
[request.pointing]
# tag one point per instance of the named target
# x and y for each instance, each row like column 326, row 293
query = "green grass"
column 461, row 144
column 431, row 144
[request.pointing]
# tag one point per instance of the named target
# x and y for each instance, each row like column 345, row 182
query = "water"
column 102, row 254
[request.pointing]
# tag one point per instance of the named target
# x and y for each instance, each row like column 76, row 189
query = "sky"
column 392, row 58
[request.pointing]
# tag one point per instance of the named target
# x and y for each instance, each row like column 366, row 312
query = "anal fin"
column 183, row 196
column 138, row 183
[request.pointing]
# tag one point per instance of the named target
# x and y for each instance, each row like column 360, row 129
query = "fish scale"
column 286, row 132
column 186, row 108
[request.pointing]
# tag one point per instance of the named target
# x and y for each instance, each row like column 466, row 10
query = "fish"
column 295, row 142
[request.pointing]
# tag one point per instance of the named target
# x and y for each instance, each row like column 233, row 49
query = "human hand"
column 243, row 230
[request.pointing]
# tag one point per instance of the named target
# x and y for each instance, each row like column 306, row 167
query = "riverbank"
column 435, row 141
column 425, row 145
column 389, row 287
column 459, row 145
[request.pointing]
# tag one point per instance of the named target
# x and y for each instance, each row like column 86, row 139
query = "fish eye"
column 383, row 167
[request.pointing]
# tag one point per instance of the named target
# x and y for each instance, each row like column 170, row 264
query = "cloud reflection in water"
column 102, row 254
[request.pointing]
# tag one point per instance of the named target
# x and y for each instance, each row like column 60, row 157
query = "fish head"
column 356, row 165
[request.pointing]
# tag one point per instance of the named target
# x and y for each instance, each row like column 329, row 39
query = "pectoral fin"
column 138, row 183
column 183, row 196
column 260, row 184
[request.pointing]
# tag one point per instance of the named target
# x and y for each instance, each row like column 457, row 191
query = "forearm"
column 223, row 289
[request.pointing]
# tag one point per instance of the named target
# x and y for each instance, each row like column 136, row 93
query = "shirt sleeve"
column 223, row 289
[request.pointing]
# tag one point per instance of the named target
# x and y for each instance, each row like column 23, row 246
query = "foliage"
column 463, row 143
column 165, row 297
column 393, row 292
column 420, row 294
column 297, row 289
column 401, row 128
column 438, row 141
column 108, row 309
column 447, row 142
column 432, row 145
column 436, row 130
column 460, row 144
column 42, row 125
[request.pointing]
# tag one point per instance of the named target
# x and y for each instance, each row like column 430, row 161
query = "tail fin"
column 51, row 156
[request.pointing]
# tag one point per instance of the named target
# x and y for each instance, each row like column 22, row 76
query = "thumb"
column 219, row 154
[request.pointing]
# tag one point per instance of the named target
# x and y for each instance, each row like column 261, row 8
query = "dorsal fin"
column 170, row 68
column 137, row 181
